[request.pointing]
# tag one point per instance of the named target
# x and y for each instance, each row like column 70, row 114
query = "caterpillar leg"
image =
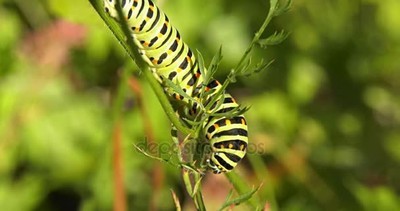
column 214, row 168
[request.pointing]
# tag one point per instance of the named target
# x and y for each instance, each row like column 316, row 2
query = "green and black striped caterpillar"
column 161, row 46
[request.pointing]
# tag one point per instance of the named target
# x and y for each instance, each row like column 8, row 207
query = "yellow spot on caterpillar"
column 188, row 59
column 227, row 122
column 243, row 122
column 177, row 96
column 230, row 146
column 242, row 147
column 216, row 126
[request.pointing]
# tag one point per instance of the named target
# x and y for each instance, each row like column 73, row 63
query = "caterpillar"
column 168, row 56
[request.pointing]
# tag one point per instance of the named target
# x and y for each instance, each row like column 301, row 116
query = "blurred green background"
column 324, row 119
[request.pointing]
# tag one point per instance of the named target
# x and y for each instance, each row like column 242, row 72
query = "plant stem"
column 196, row 194
column 257, row 35
column 198, row 197
column 118, row 102
column 241, row 187
column 263, row 175
column 256, row 38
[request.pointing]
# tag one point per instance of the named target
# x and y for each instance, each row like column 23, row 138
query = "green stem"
column 263, row 175
column 120, row 95
column 256, row 38
column 34, row 12
column 166, row 104
column 257, row 35
column 241, row 187
column 198, row 197
column 194, row 193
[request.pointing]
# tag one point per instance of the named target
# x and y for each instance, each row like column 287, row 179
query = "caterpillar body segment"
column 227, row 136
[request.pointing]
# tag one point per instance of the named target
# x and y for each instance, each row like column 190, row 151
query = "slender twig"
column 157, row 174
column 176, row 201
column 246, row 55
column 198, row 196
column 257, row 35
column 241, row 187
column 191, row 179
column 119, row 193
column 34, row 13
column 263, row 175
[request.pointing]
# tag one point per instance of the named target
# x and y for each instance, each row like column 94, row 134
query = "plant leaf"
column 282, row 9
column 177, row 89
column 216, row 60
column 274, row 39
column 240, row 199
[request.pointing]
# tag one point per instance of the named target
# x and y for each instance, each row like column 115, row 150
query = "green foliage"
column 324, row 120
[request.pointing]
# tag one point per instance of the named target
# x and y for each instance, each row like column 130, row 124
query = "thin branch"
column 157, row 174
column 119, row 192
